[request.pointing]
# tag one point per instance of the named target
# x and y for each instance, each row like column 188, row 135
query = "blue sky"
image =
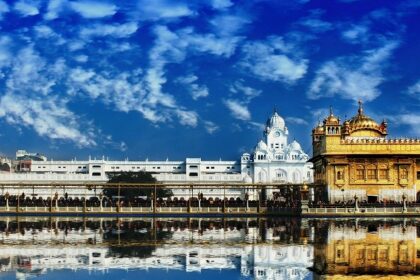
column 164, row 79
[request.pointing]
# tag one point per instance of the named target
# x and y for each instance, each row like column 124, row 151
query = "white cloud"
column 238, row 110
column 273, row 60
column 195, row 90
column 114, row 30
column 248, row 92
column 354, row 77
column 295, row 120
column 76, row 45
column 54, row 8
column 414, row 90
column 210, row 127
column 317, row 25
column 209, row 43
column 221, row 4
column 228, row 24
column 410, row 119
column 31, row 101
column 48, row 117
column 162, row 10
column 6, row 56
column 93, row 9
column 187, row 118
column 356, row 34
column 81, row 58
column 4, row 8
column 239, row 100
column 27, row 8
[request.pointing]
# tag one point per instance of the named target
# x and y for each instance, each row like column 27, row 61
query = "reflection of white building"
column 273, row 160
column 221, row 249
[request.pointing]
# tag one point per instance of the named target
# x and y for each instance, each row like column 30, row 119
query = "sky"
column 161, row 79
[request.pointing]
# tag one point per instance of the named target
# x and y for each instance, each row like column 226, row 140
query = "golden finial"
column 360, row 107
column 331, row 111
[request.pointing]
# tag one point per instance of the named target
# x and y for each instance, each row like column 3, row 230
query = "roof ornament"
column 331, row 111
column 360, row 107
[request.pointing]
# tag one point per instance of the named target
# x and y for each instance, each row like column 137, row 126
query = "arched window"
column 404, row 173
column 371, row 172
column 360, row 172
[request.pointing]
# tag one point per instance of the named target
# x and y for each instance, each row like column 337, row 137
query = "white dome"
column 261, row 146
column 295, row 146
column 276, row 121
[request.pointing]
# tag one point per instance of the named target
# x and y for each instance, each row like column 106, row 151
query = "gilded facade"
column 356, row 159
column 367, row 252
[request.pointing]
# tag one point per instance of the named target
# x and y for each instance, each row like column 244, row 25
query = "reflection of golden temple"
column 366, row 252
column 355, row 159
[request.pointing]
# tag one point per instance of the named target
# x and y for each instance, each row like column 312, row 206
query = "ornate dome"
column 331, row 119
column 261, row 146
column 319, row 129
column 362, row 122
column 276, row 121
column 295, row 146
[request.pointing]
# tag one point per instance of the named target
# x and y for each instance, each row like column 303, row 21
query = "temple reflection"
column 254, row 248
column 363, row 248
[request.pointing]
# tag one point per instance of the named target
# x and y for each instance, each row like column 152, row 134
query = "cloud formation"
column 273, row 60
column 353, row 77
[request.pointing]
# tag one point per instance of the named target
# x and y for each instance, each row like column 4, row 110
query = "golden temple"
column 355, row 160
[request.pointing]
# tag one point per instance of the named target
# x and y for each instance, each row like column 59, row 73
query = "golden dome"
column 331, row 119
column 363, row 122
column 319, row 129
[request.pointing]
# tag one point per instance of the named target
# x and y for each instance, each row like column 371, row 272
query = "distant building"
column 355, row 160
column 24, row 155
column 273, row 160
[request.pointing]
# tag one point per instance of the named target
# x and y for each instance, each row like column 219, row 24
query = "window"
column 193, row 166
column 360, row 173
column 340, row 175
column 371, row 174
column 96, row 174
column 371, row 254
column 193, row 174
column 404, row 173
column 96, row 166
column 418, row 175
column 360, row 254
column 383, row 255
column 383, row 174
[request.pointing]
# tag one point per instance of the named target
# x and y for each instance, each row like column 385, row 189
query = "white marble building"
column 273, row 160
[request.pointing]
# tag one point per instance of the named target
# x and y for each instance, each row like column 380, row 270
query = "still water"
column 251, row 248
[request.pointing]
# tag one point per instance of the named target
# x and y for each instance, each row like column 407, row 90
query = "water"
column 253, row 248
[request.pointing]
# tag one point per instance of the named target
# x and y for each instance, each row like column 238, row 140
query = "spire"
column 275, row 109
column 360, row 107
column 331, row 111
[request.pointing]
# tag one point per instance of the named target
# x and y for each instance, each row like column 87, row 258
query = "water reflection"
column 252, row 248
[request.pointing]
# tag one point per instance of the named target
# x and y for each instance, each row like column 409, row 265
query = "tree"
column 140, row 177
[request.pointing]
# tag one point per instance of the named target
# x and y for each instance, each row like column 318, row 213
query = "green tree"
column 127, row 191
